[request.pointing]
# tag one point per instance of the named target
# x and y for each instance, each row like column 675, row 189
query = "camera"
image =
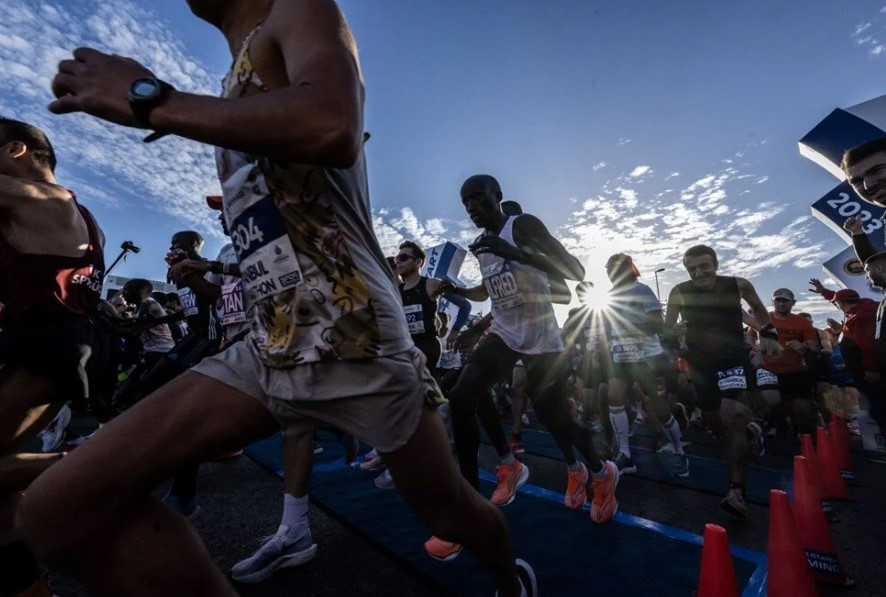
column 128, row 245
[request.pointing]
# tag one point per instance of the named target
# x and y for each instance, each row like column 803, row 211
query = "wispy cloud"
column 656, row 225
column 640, row 171
column 103, row 162
column 599, row 166
column 866, row 35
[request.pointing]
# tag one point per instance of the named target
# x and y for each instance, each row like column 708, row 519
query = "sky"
column 640, row 127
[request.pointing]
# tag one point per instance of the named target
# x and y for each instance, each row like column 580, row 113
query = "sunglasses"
column 782, row 300
column 402, row 257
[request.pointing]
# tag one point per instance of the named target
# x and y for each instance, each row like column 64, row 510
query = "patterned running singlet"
column 316, row 283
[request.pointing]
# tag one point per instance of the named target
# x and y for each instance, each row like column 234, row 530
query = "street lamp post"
column 657, row 292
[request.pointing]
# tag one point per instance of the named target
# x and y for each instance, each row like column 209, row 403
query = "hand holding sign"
column 854, row 226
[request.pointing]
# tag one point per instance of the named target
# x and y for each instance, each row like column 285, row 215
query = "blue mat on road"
column 570, row 554
column 708, row 475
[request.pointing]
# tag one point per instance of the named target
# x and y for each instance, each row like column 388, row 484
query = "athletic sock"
column 295, row 512
column 574, row 467
column 620, row 429
column 601, row 473
column 672, row 432
column 508, row 459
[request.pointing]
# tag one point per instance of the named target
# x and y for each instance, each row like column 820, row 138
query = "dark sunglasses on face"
column 402, row 257
column 781, row 300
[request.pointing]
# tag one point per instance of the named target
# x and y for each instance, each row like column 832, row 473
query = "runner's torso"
column 231, row 308
column 316, row 283
column 156, row 338
column 420, row 310
column 629, row 306
column 522, row 313
column 50, row 284
column 714, row 321
column 199, row 313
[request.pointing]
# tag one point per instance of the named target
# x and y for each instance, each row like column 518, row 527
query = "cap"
column 214, row 201
column 846, row 295
column 783, row 293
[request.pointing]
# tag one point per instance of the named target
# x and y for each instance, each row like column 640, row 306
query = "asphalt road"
column 242, row 502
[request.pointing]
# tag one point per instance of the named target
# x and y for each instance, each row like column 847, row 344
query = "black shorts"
column 727, row 379
column 790, row 385
column 546, row 374
column 71, row 350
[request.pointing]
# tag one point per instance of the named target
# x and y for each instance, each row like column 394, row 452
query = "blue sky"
column 635, row 126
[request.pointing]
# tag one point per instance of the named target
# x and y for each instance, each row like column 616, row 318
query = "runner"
column 710, row 306
column 634, row 322
column 52, row 345
column 875, row 268
column 514, row 254
column 786, row 379
column 328, row 341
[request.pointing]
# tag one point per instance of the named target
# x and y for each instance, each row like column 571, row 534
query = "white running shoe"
column 524, row 419
column 372, row 461
column 281, row 550
column 54, row 434
column 385, row 480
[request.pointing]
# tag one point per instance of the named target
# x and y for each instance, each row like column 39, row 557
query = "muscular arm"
column 202, row 286
column 749, row 320
column 749, row 295
column 464, row 310
column 478, row 294
column 545, row 252
column 312, row 113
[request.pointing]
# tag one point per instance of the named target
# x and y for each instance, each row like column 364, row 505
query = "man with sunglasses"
column 786, row 377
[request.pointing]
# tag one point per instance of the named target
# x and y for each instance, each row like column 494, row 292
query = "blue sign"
column 842, row 203
column 829, row 140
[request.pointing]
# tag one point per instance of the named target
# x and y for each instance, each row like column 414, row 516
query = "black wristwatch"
column 145, row 94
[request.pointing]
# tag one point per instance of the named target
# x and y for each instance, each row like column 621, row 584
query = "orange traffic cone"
column 808, row 452
column 839, row 435
column 788, row 574
column 821, row 553
column 834, row 486
column 717, row 578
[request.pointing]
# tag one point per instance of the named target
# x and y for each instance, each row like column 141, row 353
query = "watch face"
column 144, row 88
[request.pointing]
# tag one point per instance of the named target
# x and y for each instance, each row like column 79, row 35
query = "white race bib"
column 188, row 300
column 414, row 319
column 233, row 309
column 732, row 379
column 766, row 378
column 267, row 260
column 627, row 350
column 504, row 293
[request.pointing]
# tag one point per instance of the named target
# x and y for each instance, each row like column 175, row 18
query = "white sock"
column 620, row 429
column 672, row 432
column 295, row 511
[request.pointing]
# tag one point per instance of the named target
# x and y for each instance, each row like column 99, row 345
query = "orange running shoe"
column 604, row 506
column 576, row 491
column 440, row 550
column 510, row 477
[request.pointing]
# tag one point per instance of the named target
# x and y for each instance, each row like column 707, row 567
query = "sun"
column 597, row 299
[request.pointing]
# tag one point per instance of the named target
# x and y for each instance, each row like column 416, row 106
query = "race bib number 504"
column 267, row 260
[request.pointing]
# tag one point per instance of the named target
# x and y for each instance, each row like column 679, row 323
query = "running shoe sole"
column 728, row 507
column 376, row 464
column 521, row 480
column 295, row 559
column 448, row 558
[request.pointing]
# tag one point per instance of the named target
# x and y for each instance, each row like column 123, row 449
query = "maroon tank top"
column 50, row 284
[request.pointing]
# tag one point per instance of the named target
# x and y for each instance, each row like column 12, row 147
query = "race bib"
column 267, row 260
column 732, row 379
column 233, row 308
column 504, row 293
column 766, row 378
column 414, row 319
column 627, row 350
column 188, row 300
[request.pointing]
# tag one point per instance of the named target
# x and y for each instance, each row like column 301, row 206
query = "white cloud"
column 672, row 175
column 104, row 162
column 599, row 166
column 640, row 171
column 874, row 44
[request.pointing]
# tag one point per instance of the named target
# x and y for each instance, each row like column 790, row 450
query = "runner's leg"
column 107, row 528
column 447, row 503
